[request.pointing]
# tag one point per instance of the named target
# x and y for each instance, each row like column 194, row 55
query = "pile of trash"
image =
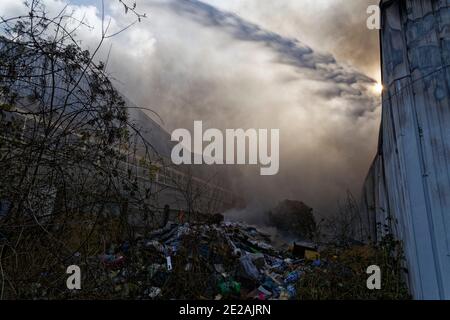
column 200, row 261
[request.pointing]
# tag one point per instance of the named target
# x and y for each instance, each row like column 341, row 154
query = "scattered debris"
column 305, row 250
column 203, row 261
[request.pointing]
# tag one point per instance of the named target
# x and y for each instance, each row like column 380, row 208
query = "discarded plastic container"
column 317, row 263
column 248, row 267
column 153, row 292
column 292, row 277
column 292, row 292
column 228, row 287
column 169, row 263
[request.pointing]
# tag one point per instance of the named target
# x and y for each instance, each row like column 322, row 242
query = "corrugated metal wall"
column 408, row 186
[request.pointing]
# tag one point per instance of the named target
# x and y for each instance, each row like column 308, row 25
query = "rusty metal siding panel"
column 408, row 186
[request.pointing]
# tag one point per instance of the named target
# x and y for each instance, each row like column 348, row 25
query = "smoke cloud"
column 304, row 67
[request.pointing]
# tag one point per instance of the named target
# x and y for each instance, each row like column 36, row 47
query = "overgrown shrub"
column 342, row 275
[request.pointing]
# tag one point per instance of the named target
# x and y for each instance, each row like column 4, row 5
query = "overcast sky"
column 306, row 67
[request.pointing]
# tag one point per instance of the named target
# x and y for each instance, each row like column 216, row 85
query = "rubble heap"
column 198, row 261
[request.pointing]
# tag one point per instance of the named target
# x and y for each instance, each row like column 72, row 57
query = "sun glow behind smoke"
column 378, row 88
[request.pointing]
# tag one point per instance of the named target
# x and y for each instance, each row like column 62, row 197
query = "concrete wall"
column 408, row 186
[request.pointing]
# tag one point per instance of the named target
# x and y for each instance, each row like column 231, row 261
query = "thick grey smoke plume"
column 284, row 64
